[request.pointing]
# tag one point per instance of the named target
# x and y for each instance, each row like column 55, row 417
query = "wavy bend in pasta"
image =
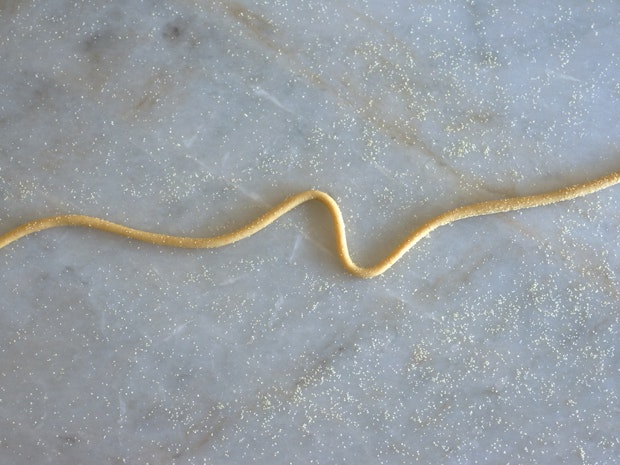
column 468, row 211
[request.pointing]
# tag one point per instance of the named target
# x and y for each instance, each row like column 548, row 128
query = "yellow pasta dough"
column 468, row 211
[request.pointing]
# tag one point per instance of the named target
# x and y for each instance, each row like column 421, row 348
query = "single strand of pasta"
column 468, row 211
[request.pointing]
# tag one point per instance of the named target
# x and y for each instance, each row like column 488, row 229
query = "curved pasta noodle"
column 468, row 211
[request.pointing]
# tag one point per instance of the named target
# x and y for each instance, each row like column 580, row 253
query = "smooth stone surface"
column 494, row 341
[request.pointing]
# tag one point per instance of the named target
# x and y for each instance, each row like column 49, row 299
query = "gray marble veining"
column 494, row 341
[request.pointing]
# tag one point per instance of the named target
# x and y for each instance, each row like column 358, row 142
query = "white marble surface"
column 494, row 341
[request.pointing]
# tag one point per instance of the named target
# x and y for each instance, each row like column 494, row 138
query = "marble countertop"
column 493, row 341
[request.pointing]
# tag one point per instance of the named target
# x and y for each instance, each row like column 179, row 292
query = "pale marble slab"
column 494, row 341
